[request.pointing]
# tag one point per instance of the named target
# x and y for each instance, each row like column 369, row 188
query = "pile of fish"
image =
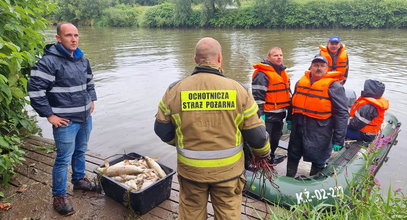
column 136, row 174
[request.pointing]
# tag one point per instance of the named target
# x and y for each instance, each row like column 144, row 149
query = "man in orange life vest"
column 337, row 56
column 367, row 113
column 320, row 116
column 271, row 90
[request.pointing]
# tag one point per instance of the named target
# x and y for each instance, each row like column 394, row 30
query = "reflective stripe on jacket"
column 373, row 126
column 313, row 99
column 209, row 112
column 341, row 63
column 278, row 90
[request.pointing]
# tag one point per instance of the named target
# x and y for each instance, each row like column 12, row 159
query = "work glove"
column 289, row 125
column 336, row 147
column 263, row 117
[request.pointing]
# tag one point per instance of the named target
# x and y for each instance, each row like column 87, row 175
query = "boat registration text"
column 319, row 194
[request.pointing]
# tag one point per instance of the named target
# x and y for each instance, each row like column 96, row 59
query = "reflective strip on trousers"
column 215, row 154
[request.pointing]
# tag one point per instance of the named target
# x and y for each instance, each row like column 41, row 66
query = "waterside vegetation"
column 235, row 14
column 21, row 44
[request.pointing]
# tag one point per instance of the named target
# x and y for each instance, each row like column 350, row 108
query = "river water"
column 133, row 68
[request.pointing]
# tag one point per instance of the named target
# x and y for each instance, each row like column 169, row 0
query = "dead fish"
column 154, row 165
column 147, row 183
column 120, row 170
column 132, row 184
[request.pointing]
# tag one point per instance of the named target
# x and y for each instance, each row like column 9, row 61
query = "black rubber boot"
column 315, row 170
column 292, row 166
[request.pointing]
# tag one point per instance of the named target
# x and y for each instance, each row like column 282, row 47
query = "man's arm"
column 363, row 116
column 165, row 131
column 340, row 113
column 259, row 88
column 253, row 130
column 41, row 80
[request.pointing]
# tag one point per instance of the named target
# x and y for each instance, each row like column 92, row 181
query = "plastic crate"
column 140, row 201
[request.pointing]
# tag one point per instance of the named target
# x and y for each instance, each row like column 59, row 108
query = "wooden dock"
column 30, row 193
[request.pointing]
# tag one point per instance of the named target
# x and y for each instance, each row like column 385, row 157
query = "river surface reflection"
column 133, row 68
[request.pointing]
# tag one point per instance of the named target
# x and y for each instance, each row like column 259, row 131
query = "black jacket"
column 62, row 85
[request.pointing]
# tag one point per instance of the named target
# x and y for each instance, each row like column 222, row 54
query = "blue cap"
column 334, row 39
column 319, row 58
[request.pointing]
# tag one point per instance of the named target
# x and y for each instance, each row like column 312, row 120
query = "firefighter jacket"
column 62, row 85
column 311, row 137
column 274, row 91
column 313, row 99
column 337, row 62
column 367, row 113
column 207, row 117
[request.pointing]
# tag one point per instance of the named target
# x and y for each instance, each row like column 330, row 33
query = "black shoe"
column 84, row 185
column 278, row 159
column 63, row 206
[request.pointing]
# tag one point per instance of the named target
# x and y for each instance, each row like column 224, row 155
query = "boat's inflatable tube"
column 333, row 182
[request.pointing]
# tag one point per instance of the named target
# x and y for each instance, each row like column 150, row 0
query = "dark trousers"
column 274, row 127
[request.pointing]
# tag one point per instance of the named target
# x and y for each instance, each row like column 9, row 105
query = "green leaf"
column 3, row 142
column 3, row 78
column 17, row 92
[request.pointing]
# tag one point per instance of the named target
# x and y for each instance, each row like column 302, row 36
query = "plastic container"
column 140, row 201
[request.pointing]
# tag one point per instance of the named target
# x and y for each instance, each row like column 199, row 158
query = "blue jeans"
column 71, row 142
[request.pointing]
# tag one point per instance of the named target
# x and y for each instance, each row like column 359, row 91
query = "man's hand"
column 92, row 106
column 336, row 147
column 57, row 121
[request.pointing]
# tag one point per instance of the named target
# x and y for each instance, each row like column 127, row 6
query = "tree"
column 76, row 11
column 183, row 12
column 273, row 10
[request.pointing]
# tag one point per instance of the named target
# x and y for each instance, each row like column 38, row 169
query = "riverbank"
column 29, row 194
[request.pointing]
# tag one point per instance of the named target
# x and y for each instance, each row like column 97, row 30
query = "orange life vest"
column 313, row 99
column 278, row 90
column 341, row 64
column 381, row 104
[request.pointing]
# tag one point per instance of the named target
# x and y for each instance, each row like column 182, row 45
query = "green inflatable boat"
column 343, row 167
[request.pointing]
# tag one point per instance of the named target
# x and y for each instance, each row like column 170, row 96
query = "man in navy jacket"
column 61, row 89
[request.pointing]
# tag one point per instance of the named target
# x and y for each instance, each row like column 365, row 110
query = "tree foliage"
column 20, row 46
column 120, row 16
column 183, row 12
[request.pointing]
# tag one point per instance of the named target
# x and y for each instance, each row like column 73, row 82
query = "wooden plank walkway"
column 34, row 178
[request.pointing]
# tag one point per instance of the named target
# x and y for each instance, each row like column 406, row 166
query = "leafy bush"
column 20, row 46
column 120, row 16
column 159, row 16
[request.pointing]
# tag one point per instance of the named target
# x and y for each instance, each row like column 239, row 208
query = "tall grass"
column 365, row 201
